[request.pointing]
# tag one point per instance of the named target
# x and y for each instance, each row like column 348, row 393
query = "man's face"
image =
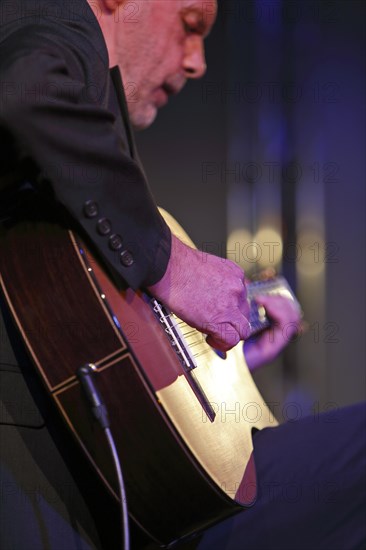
column 158, row 47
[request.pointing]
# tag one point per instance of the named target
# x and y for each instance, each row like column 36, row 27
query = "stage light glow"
column 269, row 246
column 313, row 253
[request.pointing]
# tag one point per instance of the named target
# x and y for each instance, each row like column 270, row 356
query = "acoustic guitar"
column 181, row 414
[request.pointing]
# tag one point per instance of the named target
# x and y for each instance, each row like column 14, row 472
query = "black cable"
column 122, row 491
column 99, row 410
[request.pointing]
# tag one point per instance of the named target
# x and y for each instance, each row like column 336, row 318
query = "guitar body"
column 184, row 436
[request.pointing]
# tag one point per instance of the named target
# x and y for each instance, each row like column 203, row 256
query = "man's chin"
column 142, row 118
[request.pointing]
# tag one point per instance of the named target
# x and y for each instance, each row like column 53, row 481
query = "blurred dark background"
column 264, row 160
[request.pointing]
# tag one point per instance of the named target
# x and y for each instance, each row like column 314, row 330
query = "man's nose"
column 194, row 63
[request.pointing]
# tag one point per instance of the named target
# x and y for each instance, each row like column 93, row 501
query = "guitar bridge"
column 175, row 336
column 170, row 325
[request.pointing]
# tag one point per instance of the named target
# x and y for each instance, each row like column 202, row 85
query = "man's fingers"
column 224, row 336
column 216, row 344
column 280, row 308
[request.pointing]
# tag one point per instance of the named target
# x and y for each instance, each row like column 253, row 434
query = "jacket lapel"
column 118, row 87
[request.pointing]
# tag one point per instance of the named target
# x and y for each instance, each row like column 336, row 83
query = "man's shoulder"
column 69, row 23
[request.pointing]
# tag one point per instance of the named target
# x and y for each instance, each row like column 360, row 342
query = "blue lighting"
column 116, row 322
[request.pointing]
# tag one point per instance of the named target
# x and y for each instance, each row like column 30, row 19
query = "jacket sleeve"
column 58, row 119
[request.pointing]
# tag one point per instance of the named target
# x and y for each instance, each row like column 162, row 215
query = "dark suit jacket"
column 64, row 125
column 64, row 130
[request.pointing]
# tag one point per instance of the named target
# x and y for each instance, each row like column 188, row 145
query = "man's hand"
column 206, row 292
column 286, row 323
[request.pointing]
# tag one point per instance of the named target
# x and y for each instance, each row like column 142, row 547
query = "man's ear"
column 112, row 5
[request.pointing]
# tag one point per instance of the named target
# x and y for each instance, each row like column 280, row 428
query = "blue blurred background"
column 264, row 161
